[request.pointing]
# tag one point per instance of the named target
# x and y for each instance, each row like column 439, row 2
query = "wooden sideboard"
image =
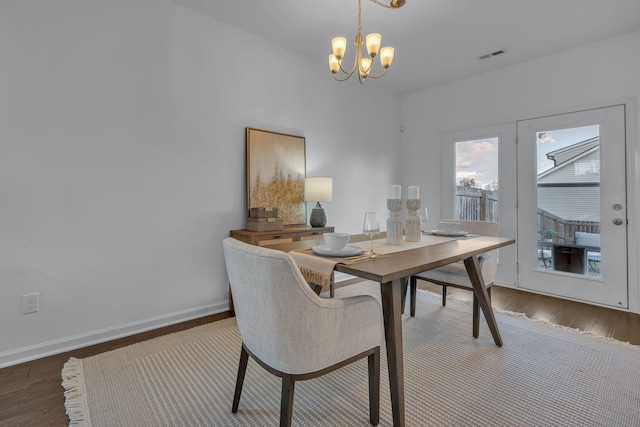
column 289, row 234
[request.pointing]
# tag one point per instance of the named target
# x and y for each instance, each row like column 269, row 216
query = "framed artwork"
column 276, row 168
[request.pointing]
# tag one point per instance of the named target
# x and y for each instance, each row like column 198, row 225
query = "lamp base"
column 318, row 217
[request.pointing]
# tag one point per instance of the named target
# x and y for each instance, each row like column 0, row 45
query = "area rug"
column 544, row 375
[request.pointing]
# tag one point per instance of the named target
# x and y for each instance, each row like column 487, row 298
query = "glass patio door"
column 480, row 172
column 572, row 237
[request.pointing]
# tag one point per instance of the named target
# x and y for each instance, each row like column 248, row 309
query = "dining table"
column 392, row 271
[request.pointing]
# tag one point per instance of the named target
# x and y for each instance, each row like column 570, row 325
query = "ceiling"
column 435, row 41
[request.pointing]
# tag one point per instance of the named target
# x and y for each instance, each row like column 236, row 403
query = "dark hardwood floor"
column 601, row 321
column 31, row 393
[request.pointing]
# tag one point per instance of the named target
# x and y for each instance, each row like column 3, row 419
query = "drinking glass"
column 371, row 228
column 424, row 217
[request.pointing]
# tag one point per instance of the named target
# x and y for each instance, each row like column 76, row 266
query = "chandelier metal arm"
column 393, row 4
column 369, row 76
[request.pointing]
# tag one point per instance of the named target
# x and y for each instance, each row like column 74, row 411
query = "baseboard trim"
column 49, row 348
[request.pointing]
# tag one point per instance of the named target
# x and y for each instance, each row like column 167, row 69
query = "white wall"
column 596, row 75
column 123, row 157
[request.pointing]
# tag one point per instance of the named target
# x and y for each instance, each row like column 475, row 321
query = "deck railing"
column 560, row 230
column 475, row 204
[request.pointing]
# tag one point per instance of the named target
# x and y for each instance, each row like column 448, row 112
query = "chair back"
column 587, row 239
column 483, row 228
column 272, row 301
column 489, row 260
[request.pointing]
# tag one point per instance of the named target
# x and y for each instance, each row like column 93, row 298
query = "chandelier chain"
column 360, row 16
column 382, row 4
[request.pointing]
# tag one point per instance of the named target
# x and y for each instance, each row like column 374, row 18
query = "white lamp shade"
column 318, row 189
column 373, row 44
column 334, row 64
column 386, row 56
column 365, row 66
column 339, row 46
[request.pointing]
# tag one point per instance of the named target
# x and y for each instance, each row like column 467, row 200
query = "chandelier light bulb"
column 373, row 44
column 334, row 64
column 365, row 67
column 386, row 56
column 339, row 46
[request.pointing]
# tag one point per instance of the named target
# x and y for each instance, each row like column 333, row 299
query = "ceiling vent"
column 492, row 54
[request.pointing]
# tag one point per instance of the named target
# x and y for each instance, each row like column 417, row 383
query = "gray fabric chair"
column 455, row 274
column 292, row 332
column 593, row 256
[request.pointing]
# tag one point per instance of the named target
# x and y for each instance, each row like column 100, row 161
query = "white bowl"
column 336, row 241
column 449, row 226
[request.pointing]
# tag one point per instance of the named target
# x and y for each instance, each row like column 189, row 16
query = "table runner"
column 318, row 269
column 380, row 246
column 314, row 269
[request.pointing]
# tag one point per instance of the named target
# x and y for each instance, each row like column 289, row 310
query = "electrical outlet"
column 30, row 303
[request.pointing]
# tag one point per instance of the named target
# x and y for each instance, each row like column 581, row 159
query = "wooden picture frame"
column 276, row 168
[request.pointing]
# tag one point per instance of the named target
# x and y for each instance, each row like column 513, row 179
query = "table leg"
column 473, row 270
column 391, row 311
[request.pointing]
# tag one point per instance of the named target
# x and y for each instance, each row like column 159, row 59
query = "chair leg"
column 413, row 283
column 405, row 288
column 242, row 369
column 374, row 387
column 332, row 288
column 444, row 295
column 286, row 404
column 476, row 317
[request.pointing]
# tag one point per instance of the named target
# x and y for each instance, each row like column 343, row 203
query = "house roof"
column 571, row 189
column 570, row 154
column 564, row 154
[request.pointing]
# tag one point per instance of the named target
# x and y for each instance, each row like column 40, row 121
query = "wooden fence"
column 559, row 230
column 474, row 204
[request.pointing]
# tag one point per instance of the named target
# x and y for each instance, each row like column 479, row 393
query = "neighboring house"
column 571, row 188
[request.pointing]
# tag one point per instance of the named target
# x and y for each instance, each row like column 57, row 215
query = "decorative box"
column 265, row 224
column 264, row 219
column 263, row 213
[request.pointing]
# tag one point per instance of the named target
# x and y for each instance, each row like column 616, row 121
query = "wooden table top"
column 406, row 263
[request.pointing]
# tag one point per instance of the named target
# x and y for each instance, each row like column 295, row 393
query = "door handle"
column 618, row 221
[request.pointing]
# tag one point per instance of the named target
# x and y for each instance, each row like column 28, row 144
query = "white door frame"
column 506, row 134
column 612, row 288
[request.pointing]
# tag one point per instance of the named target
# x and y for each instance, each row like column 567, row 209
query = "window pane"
column 568, row 182
column 477, row 180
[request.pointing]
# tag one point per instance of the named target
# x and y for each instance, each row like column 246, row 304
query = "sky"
column 478, row 159
column 560, row 138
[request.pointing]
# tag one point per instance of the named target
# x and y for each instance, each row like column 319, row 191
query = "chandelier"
column 362, row 64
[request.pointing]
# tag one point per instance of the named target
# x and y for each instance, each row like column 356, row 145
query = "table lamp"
column 318, row 189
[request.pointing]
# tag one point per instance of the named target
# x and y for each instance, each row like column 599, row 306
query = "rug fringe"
column 75, row 401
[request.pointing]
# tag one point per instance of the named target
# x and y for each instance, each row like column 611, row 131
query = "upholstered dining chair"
column 278, row 316
column 593, row 255
column 455, row 274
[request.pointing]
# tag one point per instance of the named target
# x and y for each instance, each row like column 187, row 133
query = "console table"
column 289, row 234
